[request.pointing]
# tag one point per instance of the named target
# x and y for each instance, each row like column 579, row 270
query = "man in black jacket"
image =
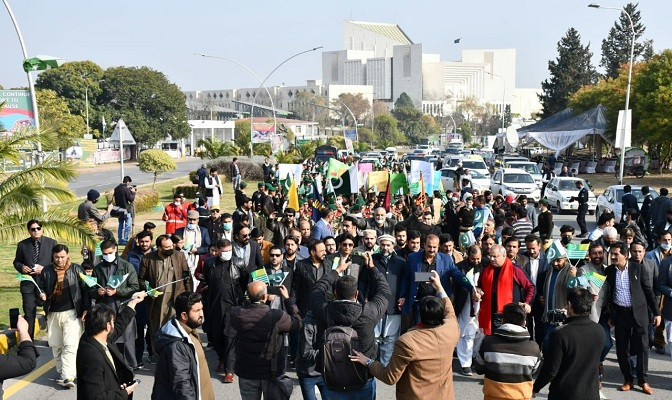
column 24, row 360
column 630, row 297
column 182, row 370
column 32, row 255
column 306, row 273
column 255, row 324
column 102, row 371
column 345, row 310
column 124, row 196
column 573, row 356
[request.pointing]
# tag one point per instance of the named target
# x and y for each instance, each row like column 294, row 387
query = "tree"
column 359, row 106
column 155, row 161
column 404, row 101
column 569, row 71
column 152, row 107
column 616, row 47
column 213, row 148
column 285, row 157
column 309, row 106
column 387, row 131
column 56, row 117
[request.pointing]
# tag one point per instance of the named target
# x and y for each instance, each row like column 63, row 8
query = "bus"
column 324, row 153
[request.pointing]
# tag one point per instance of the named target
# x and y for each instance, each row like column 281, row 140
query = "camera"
column 556, row 316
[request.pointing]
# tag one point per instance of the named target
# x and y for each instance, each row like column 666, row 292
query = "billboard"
column 17, row 113
column 351, row 134
column 262, row 133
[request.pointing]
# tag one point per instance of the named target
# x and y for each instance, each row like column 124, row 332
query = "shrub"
column 156, row 161
column 145, row 199
column 249, row 171
column 189, row 191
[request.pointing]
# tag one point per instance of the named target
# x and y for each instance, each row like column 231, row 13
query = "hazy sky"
column 164, row 34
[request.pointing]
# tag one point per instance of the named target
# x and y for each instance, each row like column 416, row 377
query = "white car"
column 560, row 189
column 478, row 180
column 611, row 199
column 512, row 181
column 529, row 166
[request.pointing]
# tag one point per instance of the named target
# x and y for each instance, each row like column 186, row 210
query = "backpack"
column 339, row 372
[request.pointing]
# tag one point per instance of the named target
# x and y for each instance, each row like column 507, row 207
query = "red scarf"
column 504, row 293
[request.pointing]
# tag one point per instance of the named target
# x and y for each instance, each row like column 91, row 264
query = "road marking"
column 28, row 379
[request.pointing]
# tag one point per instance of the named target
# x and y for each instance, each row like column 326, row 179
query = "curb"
column 10, row 337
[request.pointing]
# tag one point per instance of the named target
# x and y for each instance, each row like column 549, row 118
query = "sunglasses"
column 214, row 211
column 245, row 236
column 348, row 244
column 39, row 228
column 276, row 255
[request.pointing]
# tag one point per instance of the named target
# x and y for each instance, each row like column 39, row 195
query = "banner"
column 377, row 179
column 365, row 168
column 619, row 130
column 17, row 114
column 398, row 183
column 425, row 169
column 347, row 183
column 437, row 182
column 294, row 170
column 348, row 145
column 262, row 133
column 350, row 134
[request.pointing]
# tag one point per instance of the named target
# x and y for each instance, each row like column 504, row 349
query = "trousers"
column 64, row 331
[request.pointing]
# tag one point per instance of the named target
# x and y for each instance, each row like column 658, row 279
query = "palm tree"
column 305, row 151
column 285, row 157
column 22, row 193
column 213, row 148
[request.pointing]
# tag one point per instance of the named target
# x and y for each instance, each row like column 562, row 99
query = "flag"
column 387, row 201
column 116, row 280
column 398, row 183
column 316, row 202
column 595, row 279
column 329, row 189
column 577, row 251
column 556, row 250
column 278, row 278
column 437, row 181
column 89, row 280
column 41, row 63
column 577, row 281
column 27, row 278
column 293, row 196
column 347, row 183
column 336, row 168
column 153, row 293
column 457, row 40
column 260, row 275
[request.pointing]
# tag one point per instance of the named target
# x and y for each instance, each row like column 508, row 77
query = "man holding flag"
column 119, row 281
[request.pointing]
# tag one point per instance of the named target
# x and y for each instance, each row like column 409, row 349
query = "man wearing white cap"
column 368, row 242
column 397, row 274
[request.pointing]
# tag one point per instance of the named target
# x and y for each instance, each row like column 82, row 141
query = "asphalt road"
column 39, row 384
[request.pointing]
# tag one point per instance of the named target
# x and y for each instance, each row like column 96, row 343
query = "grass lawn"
column 10, row 297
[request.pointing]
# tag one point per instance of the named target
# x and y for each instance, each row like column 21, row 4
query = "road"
column 39, row 384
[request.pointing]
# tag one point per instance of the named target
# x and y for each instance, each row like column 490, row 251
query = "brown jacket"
column 422, row 361
column 149, row 273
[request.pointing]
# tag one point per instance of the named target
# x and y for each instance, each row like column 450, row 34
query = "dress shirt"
column 622, row 291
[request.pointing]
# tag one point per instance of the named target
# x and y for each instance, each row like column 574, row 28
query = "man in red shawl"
column 501, row 283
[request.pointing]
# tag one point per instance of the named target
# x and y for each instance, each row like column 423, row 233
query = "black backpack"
column 339, row 372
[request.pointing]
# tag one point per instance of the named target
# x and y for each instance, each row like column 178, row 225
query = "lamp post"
column 262, row 84
column 627, row 91
column 503, row 94
column 352, row 115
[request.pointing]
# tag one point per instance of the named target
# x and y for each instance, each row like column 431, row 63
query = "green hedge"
column 188, row 190
column 145, row 199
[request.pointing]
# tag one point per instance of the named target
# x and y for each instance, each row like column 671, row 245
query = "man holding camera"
column 124, row 196
column 573, row 373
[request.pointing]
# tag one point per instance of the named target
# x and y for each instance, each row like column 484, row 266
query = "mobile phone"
column 133, row 382
column 422, row 276
column 13, row 317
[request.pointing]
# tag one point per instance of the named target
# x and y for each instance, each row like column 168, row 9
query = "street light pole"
column 353, row 118
column 627, row 91
column 86, row 96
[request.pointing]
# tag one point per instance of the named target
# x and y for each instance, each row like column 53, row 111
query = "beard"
column 193, row 324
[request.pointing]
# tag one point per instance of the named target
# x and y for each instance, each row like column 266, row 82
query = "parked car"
column 560, row 189
column 502, row 159
column 478, row 180
column 529, row 166
column 611, row 199
column 512, row 181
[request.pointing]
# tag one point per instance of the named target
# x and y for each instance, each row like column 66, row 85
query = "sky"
column 164, row 35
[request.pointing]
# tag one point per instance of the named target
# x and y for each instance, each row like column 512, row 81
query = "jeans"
column 608, row 343
column 236, row 182
column 367, row 392
column 124, row 230
column 387, row 331
column 308, row 387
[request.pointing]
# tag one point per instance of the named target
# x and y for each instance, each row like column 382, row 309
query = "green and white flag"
column 27, row 278
column 260, row 275
column 90, row 280
column 41, row 63
column 116, row 280
column 278, row 278
column 556, row 250
column 577, row 251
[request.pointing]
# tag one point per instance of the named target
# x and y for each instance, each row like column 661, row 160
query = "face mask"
column 565, row 241
column 227, row 226
column 191, row 226
column 168, row 252
column 226, row 255
column 177, row 203
column 109, row 257
column 665, row 246
column 380, row 221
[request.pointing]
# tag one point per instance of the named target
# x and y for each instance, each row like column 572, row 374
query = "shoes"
column 139, row 366
column 582, row 235
column 59, row 381
column 220, row 368
column 67, row 383
column 660, row 350
column 152, row 359
column 625, row 387
column 466, row 372
column 228, row 378
column 646, row 388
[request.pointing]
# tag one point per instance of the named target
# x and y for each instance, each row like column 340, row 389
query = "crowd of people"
column 349, row 290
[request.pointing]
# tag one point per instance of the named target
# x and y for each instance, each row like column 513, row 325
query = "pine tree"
column 569, row 71
column 616, row 47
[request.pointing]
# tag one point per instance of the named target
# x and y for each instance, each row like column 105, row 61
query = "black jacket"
column 641, row 293
column 572, row 361
column 123, row 196
column 305, row 277
column 305, row 362
column 177, row 375
column 24, row 256
column 544, row 224
column 397, row 274
column 97, row 378
column 361, row 317
column 460, row 293
column 254, row 346
column 78, row 289
column 22, row 363
column 659, row 207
